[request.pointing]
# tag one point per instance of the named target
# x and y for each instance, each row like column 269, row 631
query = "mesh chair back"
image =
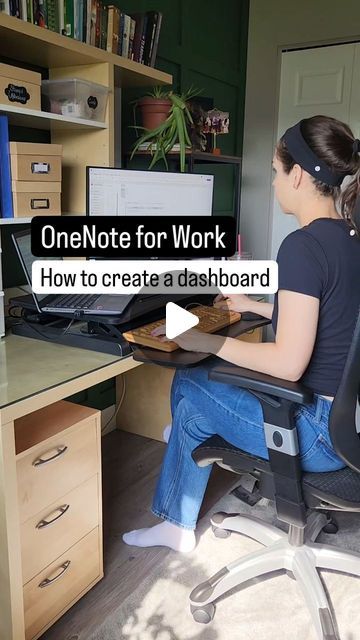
column 344, row 421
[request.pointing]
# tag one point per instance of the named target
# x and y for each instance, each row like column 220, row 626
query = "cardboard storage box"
column 36, row 198
column 38, row 162
column 20, row 87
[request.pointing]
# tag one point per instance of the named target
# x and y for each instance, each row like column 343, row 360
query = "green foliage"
column 174, row 130
column 159, row 93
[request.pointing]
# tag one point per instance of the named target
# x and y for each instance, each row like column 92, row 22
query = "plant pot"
column 154, row 111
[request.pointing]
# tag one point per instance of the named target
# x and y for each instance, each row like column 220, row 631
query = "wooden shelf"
column 28, row 220
column 201, row 157
column 22, row 117
column 15, row 221
column 22, row 40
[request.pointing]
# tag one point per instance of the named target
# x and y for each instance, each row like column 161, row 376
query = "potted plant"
column 154, row 107
column 173, row 130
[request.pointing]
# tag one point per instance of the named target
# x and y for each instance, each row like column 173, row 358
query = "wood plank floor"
column 130, row 469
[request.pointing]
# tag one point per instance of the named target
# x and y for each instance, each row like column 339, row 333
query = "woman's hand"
column 193, row 340
column 234, row 302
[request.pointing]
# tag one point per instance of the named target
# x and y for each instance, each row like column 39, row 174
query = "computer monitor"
column 123, row 192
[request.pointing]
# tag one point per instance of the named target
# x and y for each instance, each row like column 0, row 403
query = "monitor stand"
column 94, row 332
column 93, row 335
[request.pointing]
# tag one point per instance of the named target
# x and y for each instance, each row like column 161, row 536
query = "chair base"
column 298, row 554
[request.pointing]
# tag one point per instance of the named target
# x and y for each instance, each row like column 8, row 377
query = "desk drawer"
column 48, row 534
column 58, row 586
column 55, row 466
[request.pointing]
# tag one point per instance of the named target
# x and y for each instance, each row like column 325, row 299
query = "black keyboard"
column 75, row 301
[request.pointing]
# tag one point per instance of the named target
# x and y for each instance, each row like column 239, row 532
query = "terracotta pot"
column 154, row 111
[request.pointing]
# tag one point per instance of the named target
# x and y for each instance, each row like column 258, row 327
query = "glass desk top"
column 28, row 366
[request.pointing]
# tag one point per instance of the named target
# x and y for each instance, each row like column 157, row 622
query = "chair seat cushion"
column 344, row 484
column 340, row 488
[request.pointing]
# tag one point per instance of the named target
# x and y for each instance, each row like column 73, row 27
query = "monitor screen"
column 122, row 192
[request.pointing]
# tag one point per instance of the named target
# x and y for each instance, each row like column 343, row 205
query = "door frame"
column 280, row 51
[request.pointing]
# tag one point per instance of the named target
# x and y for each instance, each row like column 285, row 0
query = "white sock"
column 165, row 534
column 166, row 433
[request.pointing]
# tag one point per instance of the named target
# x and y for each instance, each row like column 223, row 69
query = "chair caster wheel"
column 220, row 533
column 204, row 614
column 331, row 527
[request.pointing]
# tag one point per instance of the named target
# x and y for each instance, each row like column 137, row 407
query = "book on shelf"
column 139, row 23
column 29, row 11
column 155, row 44
column 69, row 18
column 78, row 19
column 126, row 35
column 92, row 20
column 6, row 203
column 97, row 23
column 104, row 17
column 23, row 9
column 53, row 16
column 143, row 39
column 40, row 13
column 15, row 9
column 133, row 36
column 113, row 29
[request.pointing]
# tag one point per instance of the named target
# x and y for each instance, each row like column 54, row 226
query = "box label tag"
column 39, row 203
column 40, row 167
column 17, row 93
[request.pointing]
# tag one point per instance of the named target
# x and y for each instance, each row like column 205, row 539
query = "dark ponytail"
column 350, row 201
column 333, row 142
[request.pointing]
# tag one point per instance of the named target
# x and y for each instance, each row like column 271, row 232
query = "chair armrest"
column 261, row 383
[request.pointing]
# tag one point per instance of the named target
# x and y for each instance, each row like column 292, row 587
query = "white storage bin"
column 75, row 98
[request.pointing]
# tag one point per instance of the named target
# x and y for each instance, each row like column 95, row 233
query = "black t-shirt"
column 323, row 260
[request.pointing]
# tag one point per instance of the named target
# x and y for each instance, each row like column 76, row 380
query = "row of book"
column 134, row 36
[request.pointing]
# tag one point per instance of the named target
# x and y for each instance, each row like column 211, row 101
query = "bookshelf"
column 84, row 142
column 27, row 42
column 66, row 58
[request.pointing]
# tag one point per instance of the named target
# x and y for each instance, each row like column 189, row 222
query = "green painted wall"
column 202, row 44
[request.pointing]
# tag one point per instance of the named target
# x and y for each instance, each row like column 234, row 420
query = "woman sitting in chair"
column 313, row 319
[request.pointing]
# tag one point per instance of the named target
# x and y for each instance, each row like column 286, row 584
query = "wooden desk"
column 33, row 374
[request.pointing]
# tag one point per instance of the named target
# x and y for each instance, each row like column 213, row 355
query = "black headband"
column 306, row 158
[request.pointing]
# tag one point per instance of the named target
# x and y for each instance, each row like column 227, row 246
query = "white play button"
column 178, row 320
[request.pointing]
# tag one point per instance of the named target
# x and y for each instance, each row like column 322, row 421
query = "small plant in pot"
column 172, row 130
column 154, row 108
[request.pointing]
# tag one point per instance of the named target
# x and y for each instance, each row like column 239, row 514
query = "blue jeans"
column 201, row 408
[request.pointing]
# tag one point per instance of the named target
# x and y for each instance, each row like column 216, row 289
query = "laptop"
column 94, row 304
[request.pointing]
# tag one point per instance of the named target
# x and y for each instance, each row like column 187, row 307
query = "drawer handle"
column 59, row 452
column 48, row 581
column 45, row 523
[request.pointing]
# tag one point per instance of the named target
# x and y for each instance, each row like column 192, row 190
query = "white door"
column 314, row 82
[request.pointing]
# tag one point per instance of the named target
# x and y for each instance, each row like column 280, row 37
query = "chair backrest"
column 344, row 421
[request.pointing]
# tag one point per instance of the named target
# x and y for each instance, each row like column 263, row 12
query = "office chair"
column 302, row 500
